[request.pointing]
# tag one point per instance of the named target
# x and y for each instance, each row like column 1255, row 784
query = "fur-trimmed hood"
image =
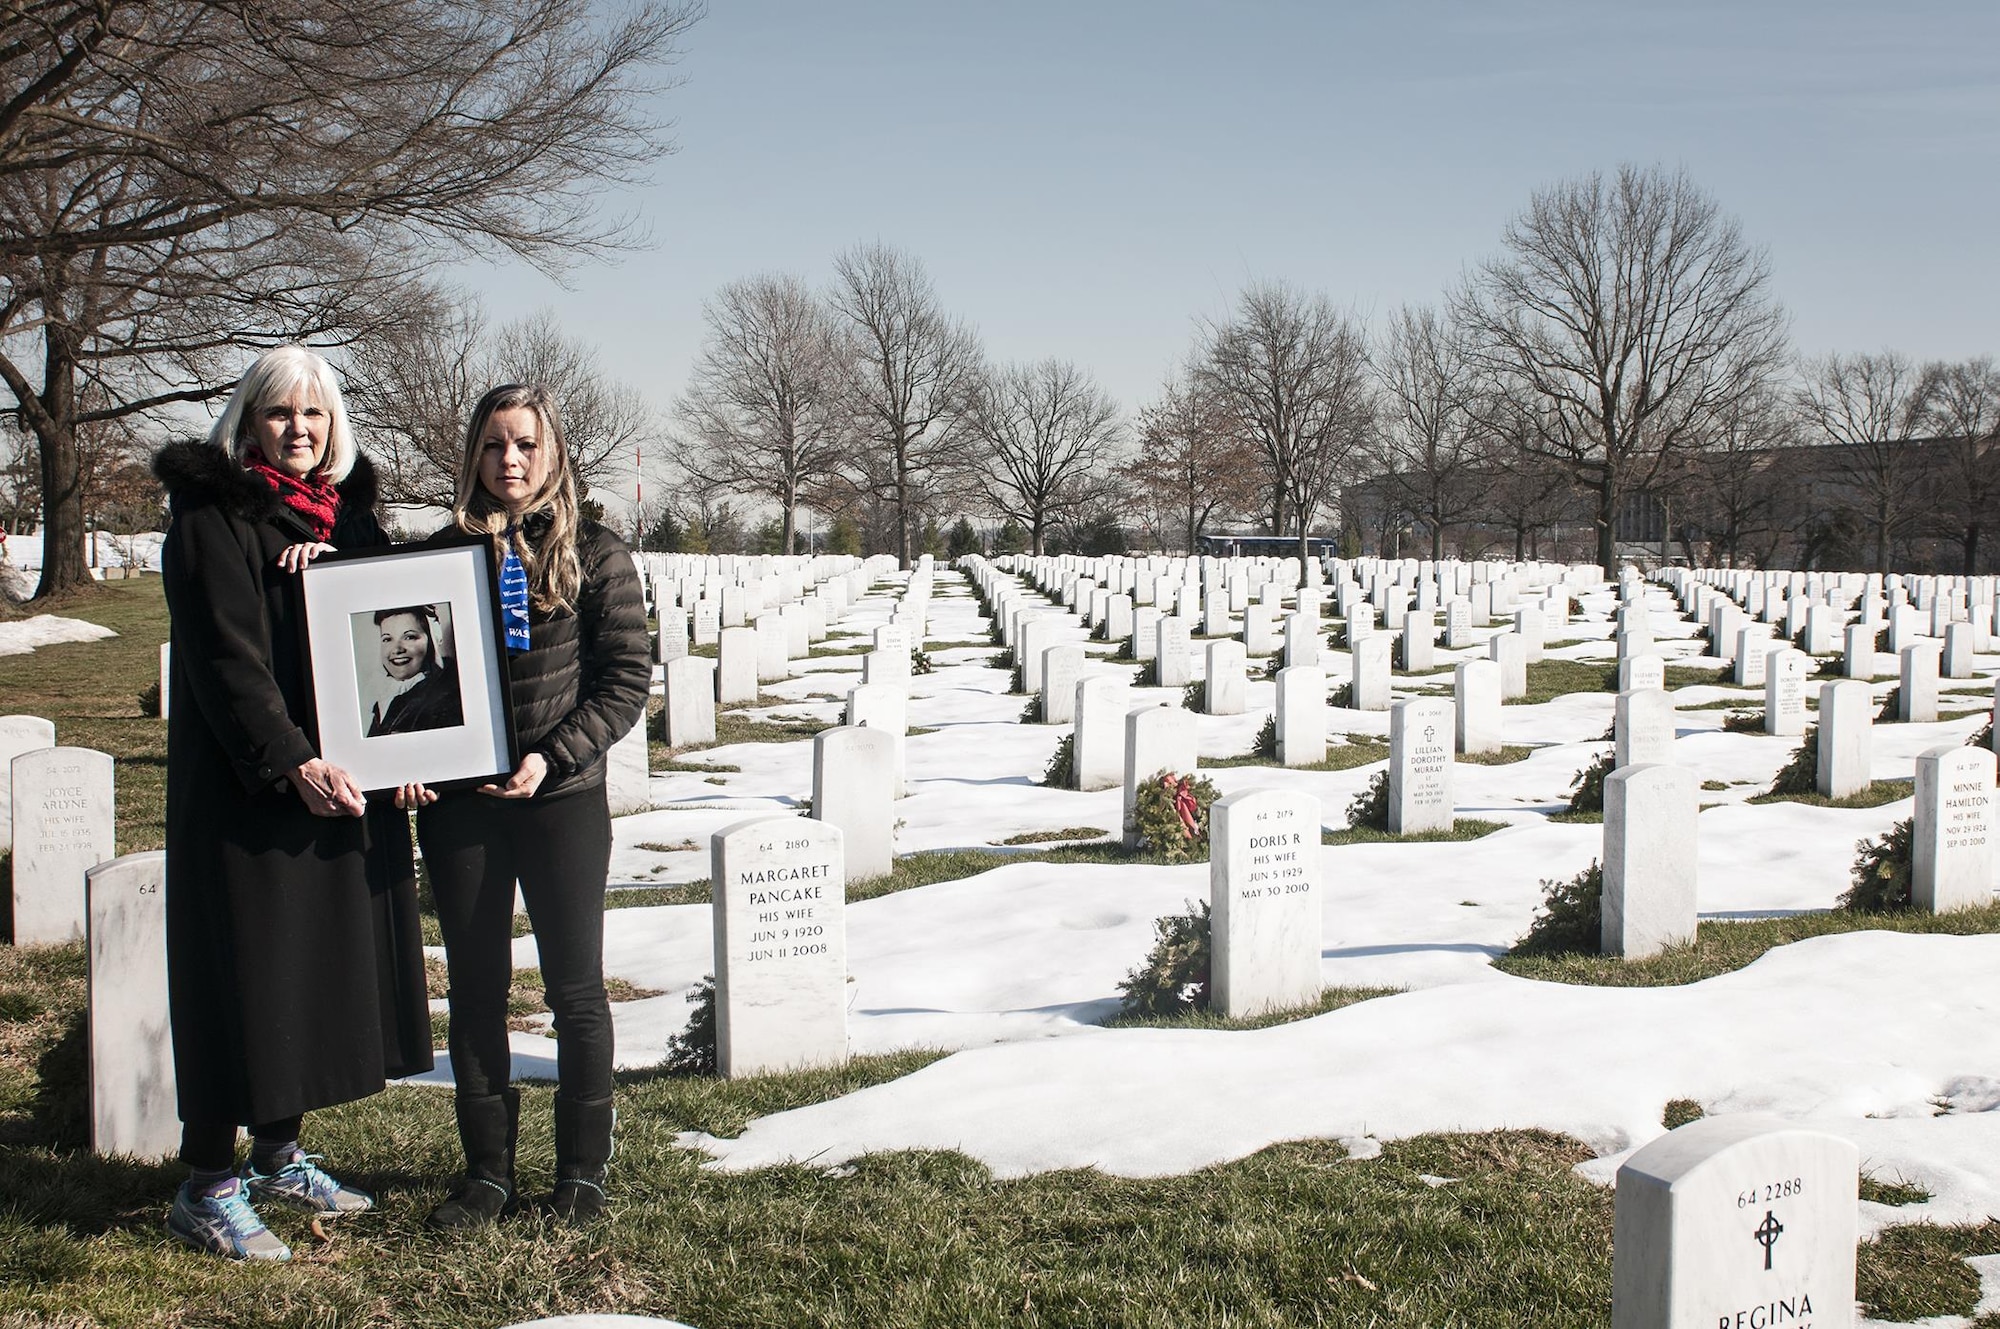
column 197, row 472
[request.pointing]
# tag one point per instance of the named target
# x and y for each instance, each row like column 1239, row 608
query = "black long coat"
column 294, row 957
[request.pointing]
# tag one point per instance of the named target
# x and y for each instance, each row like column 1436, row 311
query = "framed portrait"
column 409, row 678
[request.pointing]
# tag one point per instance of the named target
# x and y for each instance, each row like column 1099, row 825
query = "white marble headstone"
column 1649, row 860
column 1264, row 901
column 1951, row 863
column 626, row 773
column 1734, row 1221
column 64, row 825
column 854, row 775
column 1422, row 733
column 780, row 945
column 133, row 1111
column 19, row 734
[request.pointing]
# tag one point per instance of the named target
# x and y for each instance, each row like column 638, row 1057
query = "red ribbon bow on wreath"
column 1181, row 793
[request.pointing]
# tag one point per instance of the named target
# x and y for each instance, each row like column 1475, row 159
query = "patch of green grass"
column 1896, row 1194
column 739, row 727
column 645, row 897
column 1687, row 676
column 1331, row 999
column 1549, row 679
column 1919, row 1270
column 1292, row 1234
column 1679, row 1112
column 1875, row 796
column 1046, row 837
column 90, row 689
column 1506, row 756
column 1578, row 818
column 1339, row 757
column 1724, row 945
column 1465, row 828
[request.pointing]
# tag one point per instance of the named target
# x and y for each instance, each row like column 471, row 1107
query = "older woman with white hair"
column 294, row 961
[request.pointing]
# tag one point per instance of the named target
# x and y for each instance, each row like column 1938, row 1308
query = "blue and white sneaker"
column 224, row 1225
column 300, row 1184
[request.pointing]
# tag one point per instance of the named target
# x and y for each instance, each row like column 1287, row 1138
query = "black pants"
column 211, row 1145
column 559, row 850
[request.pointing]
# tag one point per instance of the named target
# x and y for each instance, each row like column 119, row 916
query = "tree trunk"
column 1607, row 528
column 1035, row 537
column 63, row 565
column 1971, row 542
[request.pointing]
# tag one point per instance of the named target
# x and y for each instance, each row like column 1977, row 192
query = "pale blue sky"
column 1084, row 179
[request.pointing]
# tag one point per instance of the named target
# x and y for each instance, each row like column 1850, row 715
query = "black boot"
column 583, row 1147
column 487, row 1127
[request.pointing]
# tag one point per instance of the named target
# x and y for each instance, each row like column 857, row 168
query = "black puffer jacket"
column 582, row 683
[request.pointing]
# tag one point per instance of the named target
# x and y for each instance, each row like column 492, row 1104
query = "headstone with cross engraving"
column 1422, row 733
column 1736, row 1220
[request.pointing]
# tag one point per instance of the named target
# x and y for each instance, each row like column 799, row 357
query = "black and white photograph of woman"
column 412, row 681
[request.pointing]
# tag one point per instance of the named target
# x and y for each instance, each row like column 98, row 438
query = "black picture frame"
column 456, row 727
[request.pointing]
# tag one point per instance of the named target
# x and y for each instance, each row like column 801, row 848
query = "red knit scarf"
column 315, row 500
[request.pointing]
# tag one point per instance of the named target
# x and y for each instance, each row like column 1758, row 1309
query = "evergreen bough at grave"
column 1586, row 794
column 1679, row 1112
column 1032, row 712
column 920, row 662
column 1571, row 919
column 1194, row 697
column 1267, row 739
column 1174, row 978
column 1273, row 665
column 1982, row 739
column 1342, row 696
column 1019, row 686
column 692, row 1051
column 1892, row 707
column 1059, row 773
column 1800, row 775
column 1369, row 809
column 1743, row 722
column 1882, row 871
column 1170, row 813
column 149, row 701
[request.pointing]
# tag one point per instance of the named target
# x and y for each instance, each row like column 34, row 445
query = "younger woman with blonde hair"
column 575, row 631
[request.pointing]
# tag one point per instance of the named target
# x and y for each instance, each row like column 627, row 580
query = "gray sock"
column 208, row 1183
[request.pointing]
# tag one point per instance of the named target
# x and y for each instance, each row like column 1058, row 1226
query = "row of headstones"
column 1030, row 627
column 1157, row 578
column 60, row 810
column 693, row 687
column 1823, row 614
column 737, row 592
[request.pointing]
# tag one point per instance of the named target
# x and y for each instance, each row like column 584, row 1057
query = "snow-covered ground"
column 1891, row 1040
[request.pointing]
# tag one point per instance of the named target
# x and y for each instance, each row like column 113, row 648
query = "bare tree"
column 1962, row 415
column 763, row 411
column 604, row 421
column 1868, row 410
column 1192, row 466
column 1623, row 316
column 1044, row 435
column 181, row 180
column 1291, row 372
column 1432, row 443
column 1736, row 488
column 913, row 372
column 412, row 387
